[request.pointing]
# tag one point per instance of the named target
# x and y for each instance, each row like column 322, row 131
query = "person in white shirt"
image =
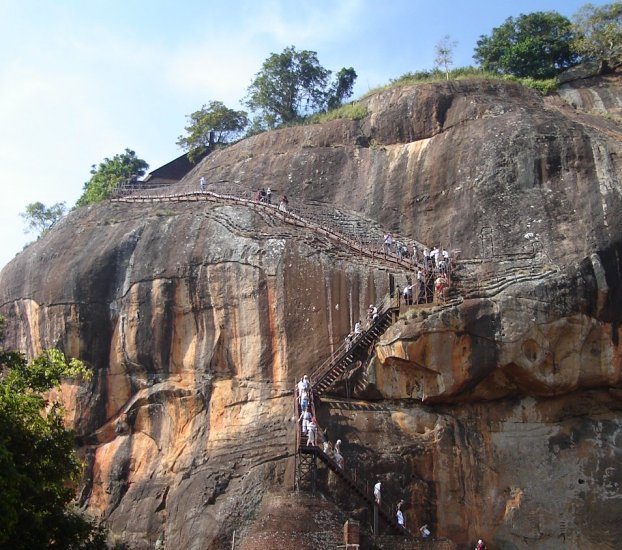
column 377, row 489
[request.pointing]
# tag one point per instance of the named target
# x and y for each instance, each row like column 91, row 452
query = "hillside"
column 495, row 414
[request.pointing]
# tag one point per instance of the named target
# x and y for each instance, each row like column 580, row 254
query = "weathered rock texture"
column 497, row 416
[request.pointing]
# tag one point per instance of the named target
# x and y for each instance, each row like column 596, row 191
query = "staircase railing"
column 371, row 248
column 385, row 511
column 350, row 350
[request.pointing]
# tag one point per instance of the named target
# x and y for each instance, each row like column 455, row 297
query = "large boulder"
column 496, row 414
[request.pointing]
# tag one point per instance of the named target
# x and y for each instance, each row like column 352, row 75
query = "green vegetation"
column 292, row 85
column 532, row 49
column 536, row 45
column 293, row 88
column 599, row 34
column 353, row 111
column 211, row 126
column 40, row 218
column 340, row 89
column 110, row 175
column 38, row 467
column 545, row 86
column 463, row 73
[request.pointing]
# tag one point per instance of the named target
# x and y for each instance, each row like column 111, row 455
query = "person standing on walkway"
column 283, row 204
column 202, row 184
column 388, row 241
column 304, row 399
column 377, row 489
column 269, row 195
column 305, row 418
column 312, row 433
column 338, row 455
column 399, row 515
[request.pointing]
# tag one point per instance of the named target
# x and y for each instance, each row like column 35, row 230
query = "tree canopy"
column 210, row 126
column 341, row 88
column 40, row 218
column 111, row 174
column 599, row 33
column 38, row 467
column 293, row 84
column 537, row 45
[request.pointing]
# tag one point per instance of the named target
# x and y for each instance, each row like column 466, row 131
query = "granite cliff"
column 495, row 415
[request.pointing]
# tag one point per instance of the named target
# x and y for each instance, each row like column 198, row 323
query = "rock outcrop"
column 496, row 415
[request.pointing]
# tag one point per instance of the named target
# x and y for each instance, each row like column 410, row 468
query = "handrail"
column 363, row 247
column 385, row 509
column 342, row 351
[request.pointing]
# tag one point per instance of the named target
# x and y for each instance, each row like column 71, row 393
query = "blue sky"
column 82, row 80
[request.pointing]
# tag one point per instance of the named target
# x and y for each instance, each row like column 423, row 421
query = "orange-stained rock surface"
column 495, row 414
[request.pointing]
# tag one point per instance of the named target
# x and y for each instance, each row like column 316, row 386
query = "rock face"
column 496, row 415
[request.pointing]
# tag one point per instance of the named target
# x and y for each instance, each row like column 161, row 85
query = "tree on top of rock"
column 211, row 126
column 292, row 85
column 599, row 34
column 444, row 50
column 41, row 218
column 341, row 88
column 537, row 45
column 110, row 175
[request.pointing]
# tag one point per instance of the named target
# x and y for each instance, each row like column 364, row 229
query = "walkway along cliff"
column 493, row 414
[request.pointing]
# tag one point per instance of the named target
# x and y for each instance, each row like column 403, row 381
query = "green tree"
column 212, row 125
column 599, row 34
column 38, row 466
column 444, row 50
column 40, row 218
column 341, row 88
column 111, row 174
column 293, row 84
column 537, row 45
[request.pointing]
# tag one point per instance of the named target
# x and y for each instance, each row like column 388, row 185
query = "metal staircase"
column 307, row 457
column 349, row 353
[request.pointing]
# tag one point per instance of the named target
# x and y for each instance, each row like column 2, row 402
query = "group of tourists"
column 431, row 277
column 372, row 316
column 306, row 418
column 265, row 195
column 432, row 269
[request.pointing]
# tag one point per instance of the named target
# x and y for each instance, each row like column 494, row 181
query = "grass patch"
column 352, row 111
column 462, row 73
column 547, row 86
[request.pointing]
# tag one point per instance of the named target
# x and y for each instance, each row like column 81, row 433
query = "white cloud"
column 222, row 64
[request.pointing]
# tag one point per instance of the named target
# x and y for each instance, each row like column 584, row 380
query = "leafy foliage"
column 444, row 50
column 293, row 84
column 599, row 33
column 210, row 126
column 537, row 45
column 111, row 174
column 37, row 460
column 40, row 218
column 342, row 88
